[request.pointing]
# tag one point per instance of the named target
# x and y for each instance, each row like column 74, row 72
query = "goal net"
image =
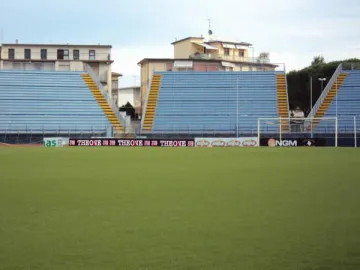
column 296, row 131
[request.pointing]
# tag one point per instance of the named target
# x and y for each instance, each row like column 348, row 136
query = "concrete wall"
column 130, row 94
column 124, row 96
column 185, row 48
column 147, row 70
column 233, row 54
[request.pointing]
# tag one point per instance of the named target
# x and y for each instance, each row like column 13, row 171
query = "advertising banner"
column 54, row 142
column 226, row 142
column 131, row 142
column 293, row 142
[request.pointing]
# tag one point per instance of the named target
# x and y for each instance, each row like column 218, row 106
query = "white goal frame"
column 307, row 123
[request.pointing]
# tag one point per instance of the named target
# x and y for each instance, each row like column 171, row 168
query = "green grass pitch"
column 179, row 208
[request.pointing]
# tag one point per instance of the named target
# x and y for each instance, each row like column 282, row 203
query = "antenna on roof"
column 210, row 31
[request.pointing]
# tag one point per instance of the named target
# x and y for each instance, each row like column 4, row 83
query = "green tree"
column 318, row 60
column 128, row 108
column 299, row 81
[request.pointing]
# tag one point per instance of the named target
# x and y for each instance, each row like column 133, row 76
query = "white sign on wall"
column 227, row 142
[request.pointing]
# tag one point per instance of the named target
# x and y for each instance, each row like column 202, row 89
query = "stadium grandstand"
column 53, row 90
column 66, row 90
column 214, row 102
column 340, row 99
column 212, row 86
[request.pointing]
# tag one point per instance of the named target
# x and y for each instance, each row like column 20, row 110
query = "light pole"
column 311, row 93
column 252, row 56
column 237, row 107
column 322, row 80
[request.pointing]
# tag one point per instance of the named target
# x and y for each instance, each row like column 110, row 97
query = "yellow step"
column 103, row 103
column 152, row 102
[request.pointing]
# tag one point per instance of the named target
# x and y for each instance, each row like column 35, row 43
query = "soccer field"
column 179, row 208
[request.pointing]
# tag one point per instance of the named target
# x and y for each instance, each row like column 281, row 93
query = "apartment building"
column 205, row 54
column 59, row 57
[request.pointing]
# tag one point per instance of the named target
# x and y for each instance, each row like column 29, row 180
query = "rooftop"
column 183, row 39
column 214, row 39
column 54, row 45
column 146, row 60
column 129, row 87
column 115, row 74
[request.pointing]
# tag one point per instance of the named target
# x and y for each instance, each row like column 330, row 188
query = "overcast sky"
column 293, row 31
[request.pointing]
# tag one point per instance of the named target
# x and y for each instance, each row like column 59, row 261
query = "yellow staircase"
column 151, row 104
column 118, row 128
column 283, row 106
column 330, row 96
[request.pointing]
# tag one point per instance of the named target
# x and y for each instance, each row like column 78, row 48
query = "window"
column 91, row 54
column 27, row 54
column 76, row 55
column 62, row 54
column 43, row 54
column 169, row 66
column 241, row 53
column 66, row 54
column 11, row 53
column 226, row 51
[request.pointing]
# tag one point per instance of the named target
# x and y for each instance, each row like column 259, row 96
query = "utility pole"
column 237, row 108
column 311, row 104
column 311, row 94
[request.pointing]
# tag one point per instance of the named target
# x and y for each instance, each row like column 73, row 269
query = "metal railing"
column 41, row 66
column 235, row 58
column 52, row 55
column 351, row 66
column 326, row 91
column 217, row 67
column 287, row 94
column 105, row 94
column 12, row 128
column 147, row 99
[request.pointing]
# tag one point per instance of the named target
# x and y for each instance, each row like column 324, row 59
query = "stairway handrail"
column 146, row 100
column 287, row 98
column 108, row 99
column 326, row 91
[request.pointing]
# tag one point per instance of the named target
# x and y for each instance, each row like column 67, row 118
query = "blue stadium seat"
column 345, row 105
column 48, row 102
column 222, row 102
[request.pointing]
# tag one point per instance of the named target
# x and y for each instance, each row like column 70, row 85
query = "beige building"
column 131, row 95
column 205, row 54
column 59, row 57
column 115, row 85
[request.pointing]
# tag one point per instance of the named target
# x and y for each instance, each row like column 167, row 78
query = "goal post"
column 285, row 128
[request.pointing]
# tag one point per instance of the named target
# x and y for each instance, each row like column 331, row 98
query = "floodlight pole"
column 258, row 124
column 336, row 98
column 237, row 108
column 311, row 103
column 311, row 95
column 336, row 132
column 355, row 133
column 280, row 133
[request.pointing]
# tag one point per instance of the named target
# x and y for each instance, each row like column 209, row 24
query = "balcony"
column 230, row 58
